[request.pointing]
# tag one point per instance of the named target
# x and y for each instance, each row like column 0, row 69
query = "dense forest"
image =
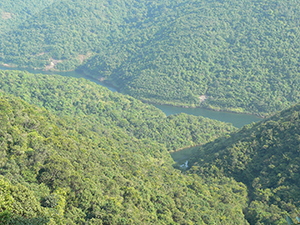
column 73, row 152
column 243, row 56
column 61, row 170
column 82, row 160
column 97, row 106
column 263, row 156
column 14, row 12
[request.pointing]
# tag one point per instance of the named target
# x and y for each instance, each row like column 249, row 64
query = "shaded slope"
column 265, row 157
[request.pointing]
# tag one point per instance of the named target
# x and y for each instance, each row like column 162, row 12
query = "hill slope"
column 265, row 157
column 242, row 56
column 58, row 170
column 65, row 32
column 66, row 96
column 14, row 12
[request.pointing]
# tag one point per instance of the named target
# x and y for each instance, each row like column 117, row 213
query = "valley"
column 149, row 112
column 237, row 120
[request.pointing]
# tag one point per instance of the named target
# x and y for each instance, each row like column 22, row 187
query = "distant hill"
column 15, row 12
column 265, row 157
column 243, row 56
column 64, row 33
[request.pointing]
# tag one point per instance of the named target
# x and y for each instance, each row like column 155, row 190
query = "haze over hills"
column 242, row 55
column 14, row 12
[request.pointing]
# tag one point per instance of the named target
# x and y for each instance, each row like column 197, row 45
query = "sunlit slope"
column 58, row 170
column 265, row 157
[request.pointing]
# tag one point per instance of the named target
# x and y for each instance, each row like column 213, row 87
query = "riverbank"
column 185, row 148
column 182, row 156
column 101, row 79
column 201, row 104
column 238, row 120
column 110, row 83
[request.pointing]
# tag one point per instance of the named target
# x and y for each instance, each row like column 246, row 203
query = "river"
column 65, row 74
column 238, row 120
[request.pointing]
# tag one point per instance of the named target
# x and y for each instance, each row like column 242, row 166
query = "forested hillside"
column 73, row 152
column 243, row 56
column 58, row 171
column 80, row 167
column 94, row 104
column 64, row 33
column 265, row 157
column 14, row 12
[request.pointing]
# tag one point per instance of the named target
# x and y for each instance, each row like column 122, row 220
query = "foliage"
column 63, row 170
column 14, row 12
column 242, row 55
column 98, row 106
column 19, row 205
column 84, row 155
column 65, row 30
column 265, row 157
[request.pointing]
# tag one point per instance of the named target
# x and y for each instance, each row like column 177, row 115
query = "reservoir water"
column 238, row 120
column 65, row 74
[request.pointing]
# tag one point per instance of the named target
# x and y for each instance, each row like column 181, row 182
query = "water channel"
column 238, row 120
